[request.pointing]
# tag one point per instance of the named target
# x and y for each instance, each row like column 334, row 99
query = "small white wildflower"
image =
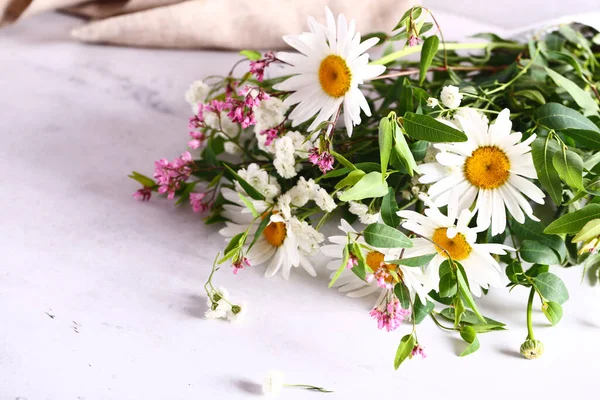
column 223, row 124
column 196, row 93
column 271, row 191
column 273, row 383
column 285, row 166
column 283, row 204
column 299, row 197
column 432, row 102
column 301, row 144
column 218, row 310
column 269, row 114
column 369, row 219
column 308, row 237
column 324, row 201
column 415, row 190
column 358, row 209
column 232, row 148
column 451, row 97
column 406, row 195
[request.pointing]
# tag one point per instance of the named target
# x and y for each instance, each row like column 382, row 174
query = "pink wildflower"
column 352, row 262
column 323, row 160
column 418, row 351
column 242, row 111
column 391, row 316
column 413, row 41
column 197, row 139
column 143, row 194
column 170, row 175
column 240, row 264
column 257, row 68
column 271, row 135
column 383, row 277
column 196, row 202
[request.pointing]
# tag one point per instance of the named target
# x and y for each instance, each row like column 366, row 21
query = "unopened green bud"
column 532, row 349
column 236, row 309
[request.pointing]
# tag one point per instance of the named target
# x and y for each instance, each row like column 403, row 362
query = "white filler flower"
column 327, row 73
column 457, row 240
column 196, row 94
column 490, row 167
column 450, row 97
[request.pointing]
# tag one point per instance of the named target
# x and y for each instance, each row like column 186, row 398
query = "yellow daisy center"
column 274, row 233
column 487, row 168
column 335, row 76
column 457, row 247
column 375, row 261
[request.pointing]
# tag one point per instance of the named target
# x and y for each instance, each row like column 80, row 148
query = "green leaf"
column 448, row 283
column 533, row 230
column 386, row 137
column 430, row 48
column 416, row 13
column 383, row 236
column 590, row 230
column 419, row 149
column 553, row 311
column 343, row 160
column 420, row 310
column 418, row 261
column 144, row 180
column 533, row 95
column 465, row 292
column 266, row 219
column 536, row 270
column 389, row 209
column 361, row 269
column 370, row 185
column 558, row 117
column 535, row 252
column 570, row 168
column 551, row 287
column 459, row 310
column 251, row 55
column 403, row 151
column 581, row 97
column 424, row 127
column 253, row 193
column 543, row 151
column 573, row 222
column 233, row 246
column 343, row 266
column 350, row 180
column 587, row 138
column 407, row 343
column 249, row 204
column 469, row 318
column 403, row 295
column 470, row 336
column 513, row 270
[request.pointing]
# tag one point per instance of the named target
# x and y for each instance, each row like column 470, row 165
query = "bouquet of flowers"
column 444, row 172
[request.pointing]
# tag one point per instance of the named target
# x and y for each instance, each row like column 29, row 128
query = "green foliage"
column 407, row 343
column 370, row 185
column 424, row 127
column 574, row 222
column 383, row 236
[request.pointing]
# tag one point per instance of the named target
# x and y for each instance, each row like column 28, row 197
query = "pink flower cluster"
column 197, row 204
column 383, row 277
column 239, row 264
column 257, row 68
column 418, row 351
column 170, row 175
column 143, row 194
column 324, row 160
column 242, row 111
column 391, row 316
column 271, row 134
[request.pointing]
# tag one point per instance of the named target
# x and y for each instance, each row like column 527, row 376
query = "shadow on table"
column 248, row 386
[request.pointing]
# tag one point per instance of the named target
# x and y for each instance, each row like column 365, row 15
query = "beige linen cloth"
column 227, row 24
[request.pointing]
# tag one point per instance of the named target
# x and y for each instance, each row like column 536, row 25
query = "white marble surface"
column 123, row 280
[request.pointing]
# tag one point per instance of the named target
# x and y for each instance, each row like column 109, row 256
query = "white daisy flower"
column 327, row 73
column 348, row 282
column 286, row 242
column 196, row 94
column 450, row 97
column 490, row 167
column 457, row 240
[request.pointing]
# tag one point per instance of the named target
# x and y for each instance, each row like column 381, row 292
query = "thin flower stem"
column 438, row 323
column 310, row 387
column 413, row 71
column 514, row 79
column 529, row 319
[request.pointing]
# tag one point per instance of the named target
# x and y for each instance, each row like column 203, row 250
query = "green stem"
column 310, row 387
column 438, row 323
column 529, row 319
column 448, row 46
column 517, row 76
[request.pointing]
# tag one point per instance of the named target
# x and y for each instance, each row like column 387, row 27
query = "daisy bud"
column 273, row 382
column 532, row 349
column 451, row 97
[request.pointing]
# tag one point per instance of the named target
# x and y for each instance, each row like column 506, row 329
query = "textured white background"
column 123, row 279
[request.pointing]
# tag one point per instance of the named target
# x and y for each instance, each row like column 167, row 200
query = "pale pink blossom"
column 271, row 134
column 389, row 316
column 257, row 68
column 242, row 111
column 240, row 264
column 413, row 41
column 143, row 194
column 418, row 351
column 198, row 139
column 324, row 160
column 352, row 261
column 197, row 204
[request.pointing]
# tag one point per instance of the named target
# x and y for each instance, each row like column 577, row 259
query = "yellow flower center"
column 487, row 168
column 274, row 233
column 457, row 247
column 335, row 76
